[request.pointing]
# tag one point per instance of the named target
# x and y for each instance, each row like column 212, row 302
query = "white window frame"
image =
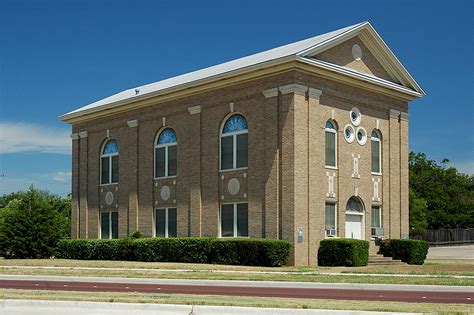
column 166, row 146
column 166, row 220
column 335, row 219
column 335, row 144
column 109, row 213
column 109, row 157
column 234, row 135
column 379, row 139
column 356, row 111
column 234, row 219
column 364, row 135
column 349, row 140
column 380, row 218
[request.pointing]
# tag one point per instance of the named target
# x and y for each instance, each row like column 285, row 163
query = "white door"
column 354, row 226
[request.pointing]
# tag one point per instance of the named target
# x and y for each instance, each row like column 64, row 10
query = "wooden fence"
column 447, row 236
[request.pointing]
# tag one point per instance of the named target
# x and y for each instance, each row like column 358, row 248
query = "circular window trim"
column 352, row 138
column 356, row 111
column 364, row 138
column 357, row 52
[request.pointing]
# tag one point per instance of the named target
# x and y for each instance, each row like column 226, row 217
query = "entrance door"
column 354, row 226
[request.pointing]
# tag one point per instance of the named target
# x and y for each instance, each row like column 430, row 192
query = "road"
column 428, row 296
column 451, row 252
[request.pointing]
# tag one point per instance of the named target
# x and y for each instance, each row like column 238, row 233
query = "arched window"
column 354, row 205
column 376, row 152
column 165, row 154
column 331, row 143
column 234, row 143
column 109, row 162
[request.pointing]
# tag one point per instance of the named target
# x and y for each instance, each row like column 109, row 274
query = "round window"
column 355, row 116
column 361, row 136
column 349, row 133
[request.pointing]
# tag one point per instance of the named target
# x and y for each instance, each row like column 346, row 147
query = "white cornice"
column 284, row 64
column 358, row 75
column 132, row 123
column 74, row 136
column 270, row 93
column 83, row 134
column 294, row 88
column 194, row 110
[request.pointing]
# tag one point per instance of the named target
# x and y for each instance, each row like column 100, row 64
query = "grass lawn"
column 234, row 301
column 222, row 272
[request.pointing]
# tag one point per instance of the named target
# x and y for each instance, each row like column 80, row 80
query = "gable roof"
column 301, row 50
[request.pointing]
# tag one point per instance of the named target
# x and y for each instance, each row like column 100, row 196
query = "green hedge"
column 88, row 249
column 250, row 252
column 175, row 249
column 412, row 252
column 343, row 252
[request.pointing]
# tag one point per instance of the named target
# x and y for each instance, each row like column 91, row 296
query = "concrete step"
column 385, row 263
column 381, row 260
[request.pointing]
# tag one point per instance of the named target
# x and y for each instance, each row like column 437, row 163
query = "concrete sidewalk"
column 27, row 307
column 262, row 284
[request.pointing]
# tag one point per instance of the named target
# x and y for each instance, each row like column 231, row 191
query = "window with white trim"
column 166, row 222
column 331, row 143
column 234, row 220
column 376, row 145
column 234, row 143
column 376, row 222
column 109, row 163
column 330, row 219
column 109, row 225
column 165, row 154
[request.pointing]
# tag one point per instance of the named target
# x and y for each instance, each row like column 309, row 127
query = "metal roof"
column 294, row 49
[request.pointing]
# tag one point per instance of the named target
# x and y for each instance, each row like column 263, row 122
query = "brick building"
column 301, row 142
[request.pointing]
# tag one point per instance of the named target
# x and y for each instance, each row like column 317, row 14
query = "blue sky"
column 56, row 56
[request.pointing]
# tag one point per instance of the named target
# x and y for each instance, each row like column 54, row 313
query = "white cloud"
column 466, row 167
column 28, row 137
column 41, row 181
column 64, row 177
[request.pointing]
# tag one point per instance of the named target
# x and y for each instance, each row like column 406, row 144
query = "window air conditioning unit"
column 331, row 232
column 377, row 232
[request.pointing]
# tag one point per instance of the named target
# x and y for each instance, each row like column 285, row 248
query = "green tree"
column 418, row 214
column 449, row 195
column 32, row 223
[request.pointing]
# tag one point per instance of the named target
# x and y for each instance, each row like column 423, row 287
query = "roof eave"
column 70, row 117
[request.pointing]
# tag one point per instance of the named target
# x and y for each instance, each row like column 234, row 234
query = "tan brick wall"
column 286, row 183
column 75, row 188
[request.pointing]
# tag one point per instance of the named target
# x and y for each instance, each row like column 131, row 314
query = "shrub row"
column 343, row 252
column 412, row 252
column 250, row 252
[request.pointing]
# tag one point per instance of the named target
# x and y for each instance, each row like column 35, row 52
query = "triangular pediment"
column 355, row 55
column 362, row 50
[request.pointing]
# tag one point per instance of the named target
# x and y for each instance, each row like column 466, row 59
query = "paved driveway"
column 451, row 252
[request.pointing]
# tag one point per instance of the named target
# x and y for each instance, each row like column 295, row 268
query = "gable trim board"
column 270, row 62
